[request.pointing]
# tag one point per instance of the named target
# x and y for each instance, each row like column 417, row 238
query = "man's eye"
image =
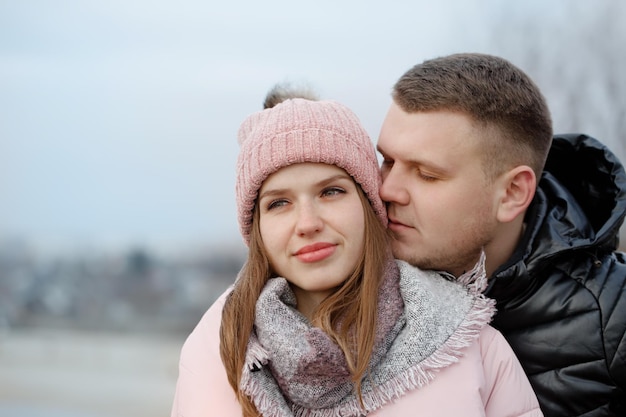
column 426, row 177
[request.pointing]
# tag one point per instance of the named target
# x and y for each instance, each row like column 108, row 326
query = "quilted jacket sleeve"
column 612, row 299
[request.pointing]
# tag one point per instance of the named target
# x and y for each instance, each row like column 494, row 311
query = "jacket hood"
column 585, row 190
column 580, row 203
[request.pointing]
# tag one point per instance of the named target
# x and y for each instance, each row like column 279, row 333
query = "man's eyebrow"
column 416, row 162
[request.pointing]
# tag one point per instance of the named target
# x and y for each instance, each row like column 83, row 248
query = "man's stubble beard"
column 458, row 257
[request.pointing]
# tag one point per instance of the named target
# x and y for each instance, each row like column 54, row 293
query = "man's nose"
column 394, row 187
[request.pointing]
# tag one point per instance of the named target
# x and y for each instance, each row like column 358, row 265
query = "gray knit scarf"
column 425, row 320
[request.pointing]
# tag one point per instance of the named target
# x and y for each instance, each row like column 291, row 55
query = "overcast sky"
column 118, row 118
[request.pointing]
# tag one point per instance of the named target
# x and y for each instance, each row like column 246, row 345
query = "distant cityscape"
column 134, row 290
column 130, row 291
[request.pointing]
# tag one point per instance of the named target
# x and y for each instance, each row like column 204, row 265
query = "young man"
column 469, row 162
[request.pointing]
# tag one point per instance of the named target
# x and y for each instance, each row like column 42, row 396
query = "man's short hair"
column 504, row 104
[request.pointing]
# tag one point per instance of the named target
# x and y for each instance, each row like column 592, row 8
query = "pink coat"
column 487, row 381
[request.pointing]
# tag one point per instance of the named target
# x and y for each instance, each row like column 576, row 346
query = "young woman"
column 321, row 321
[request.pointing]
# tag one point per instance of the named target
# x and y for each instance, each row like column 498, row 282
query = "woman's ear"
column 519, row 185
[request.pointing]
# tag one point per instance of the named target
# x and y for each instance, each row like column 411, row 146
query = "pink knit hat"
column 296, row 131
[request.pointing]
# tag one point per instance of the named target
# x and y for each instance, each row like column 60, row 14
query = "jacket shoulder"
column 202, row 387
column 487, row 381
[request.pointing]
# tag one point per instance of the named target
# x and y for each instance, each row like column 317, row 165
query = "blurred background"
column 118, row 124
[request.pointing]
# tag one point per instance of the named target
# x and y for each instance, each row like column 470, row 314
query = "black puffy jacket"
column 561, row 298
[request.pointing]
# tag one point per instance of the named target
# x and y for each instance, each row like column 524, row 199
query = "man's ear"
column 519, row 185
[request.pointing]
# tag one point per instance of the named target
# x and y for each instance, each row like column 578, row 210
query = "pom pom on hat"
column 296, row 131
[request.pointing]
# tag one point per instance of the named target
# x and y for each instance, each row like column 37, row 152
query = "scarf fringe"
column 273, row 404
column 266, row 405
column 256, row 356
column 419, row 375
column 476, row 279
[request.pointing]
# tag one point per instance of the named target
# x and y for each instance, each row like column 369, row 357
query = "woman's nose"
column 309, row 220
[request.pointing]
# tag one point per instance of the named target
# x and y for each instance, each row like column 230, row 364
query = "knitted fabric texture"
column 294, row 369
column 296, row 131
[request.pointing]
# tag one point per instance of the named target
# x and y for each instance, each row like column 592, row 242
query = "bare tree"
column 575, row 51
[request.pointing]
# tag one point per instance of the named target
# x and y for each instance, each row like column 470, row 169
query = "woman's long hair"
column 348, row 315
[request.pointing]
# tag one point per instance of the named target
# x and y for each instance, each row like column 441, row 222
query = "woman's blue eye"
column 333, row 191
column 275, row 204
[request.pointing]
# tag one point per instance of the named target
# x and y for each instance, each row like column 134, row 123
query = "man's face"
column 441, row 208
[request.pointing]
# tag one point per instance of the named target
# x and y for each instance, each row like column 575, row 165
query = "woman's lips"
column 315, row 252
